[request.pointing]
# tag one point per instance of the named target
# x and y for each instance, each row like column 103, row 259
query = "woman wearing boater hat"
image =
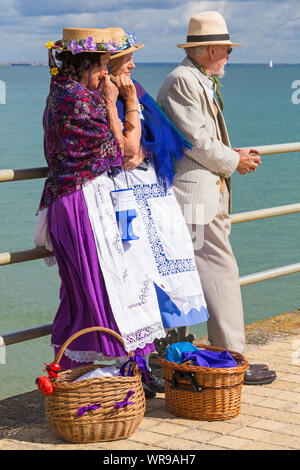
column 84, row 141
column 164, row 239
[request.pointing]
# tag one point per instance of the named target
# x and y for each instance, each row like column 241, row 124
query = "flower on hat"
column 49, row 45
column 54, row 71
column 74, row 47
column 111, row 46
column 89, row 44
column 125, row 43
column 131, row 37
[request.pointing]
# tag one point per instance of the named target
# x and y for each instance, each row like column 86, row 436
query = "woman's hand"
column 132, row 161
column 126, row 87
column 108, row 91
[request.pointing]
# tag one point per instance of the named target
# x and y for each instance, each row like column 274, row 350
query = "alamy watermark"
column 296, row 94
column 2, row 352
column 296, row 353
column 2, row 92
column 171, row 224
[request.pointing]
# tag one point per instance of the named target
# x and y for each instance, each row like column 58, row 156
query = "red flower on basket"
column 44, row 385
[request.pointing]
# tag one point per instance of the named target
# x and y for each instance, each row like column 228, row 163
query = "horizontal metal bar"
column 265, row 213
column 22, row 256
column 269, row 274
column 42, row 172
column 37, row 332
column 25, row 335
column 23, row 174
column 277, row 148
column 42, row 252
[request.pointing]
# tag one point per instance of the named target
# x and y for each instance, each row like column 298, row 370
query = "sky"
column 266, row 29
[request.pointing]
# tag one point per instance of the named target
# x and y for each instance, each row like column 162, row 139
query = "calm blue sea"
column 258, row 111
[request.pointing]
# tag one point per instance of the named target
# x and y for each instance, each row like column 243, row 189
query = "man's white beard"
column 220, row 73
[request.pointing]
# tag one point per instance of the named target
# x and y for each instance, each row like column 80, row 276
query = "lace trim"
column 140, row 338
column 195, row 302
column 89, row 356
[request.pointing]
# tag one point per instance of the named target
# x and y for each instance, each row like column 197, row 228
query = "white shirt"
column 208, row 85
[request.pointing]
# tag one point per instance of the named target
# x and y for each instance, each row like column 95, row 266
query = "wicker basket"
column 204, row 393
column 105, row 423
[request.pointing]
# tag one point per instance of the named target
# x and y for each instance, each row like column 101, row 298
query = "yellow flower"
column 54, row 71
column 49, row 45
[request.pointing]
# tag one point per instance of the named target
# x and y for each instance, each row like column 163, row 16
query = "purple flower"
column 74, row 47
column 89, row 44
column 131, row 38
column 111, row 46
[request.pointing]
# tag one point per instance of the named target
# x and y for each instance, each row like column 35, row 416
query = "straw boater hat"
column 79, row 40
column 208, row 28
column 117, row 35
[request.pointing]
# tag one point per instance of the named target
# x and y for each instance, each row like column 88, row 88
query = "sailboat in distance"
column 271, row 64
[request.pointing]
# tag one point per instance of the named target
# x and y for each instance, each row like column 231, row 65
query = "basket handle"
column 83, row 332
column 184, row 376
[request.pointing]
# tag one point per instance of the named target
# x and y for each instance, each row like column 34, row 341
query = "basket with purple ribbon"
column 98, row 408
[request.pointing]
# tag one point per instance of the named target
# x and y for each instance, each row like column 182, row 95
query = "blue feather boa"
column 160, row 140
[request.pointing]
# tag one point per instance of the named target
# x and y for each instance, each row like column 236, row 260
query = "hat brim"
column 134, row 48
column 208, row 43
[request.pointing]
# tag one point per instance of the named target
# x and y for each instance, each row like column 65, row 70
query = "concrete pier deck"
column 269, row 418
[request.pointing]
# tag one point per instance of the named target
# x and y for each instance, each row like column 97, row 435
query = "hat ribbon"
column 208, row 37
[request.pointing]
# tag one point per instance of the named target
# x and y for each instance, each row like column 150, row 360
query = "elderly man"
column 202, row 179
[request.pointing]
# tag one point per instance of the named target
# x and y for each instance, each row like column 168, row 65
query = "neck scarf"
column 161, row 140
column 216, row 82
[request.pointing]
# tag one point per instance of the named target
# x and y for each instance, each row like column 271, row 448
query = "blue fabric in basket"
column 185, row 351
column 209, row 358
column 174, row 352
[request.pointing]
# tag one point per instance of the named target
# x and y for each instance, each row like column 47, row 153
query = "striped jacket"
column 197, row 179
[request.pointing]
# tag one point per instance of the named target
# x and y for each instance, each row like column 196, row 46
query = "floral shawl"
column 78, row 143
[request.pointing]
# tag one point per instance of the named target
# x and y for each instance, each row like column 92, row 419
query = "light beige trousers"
column 219, row 276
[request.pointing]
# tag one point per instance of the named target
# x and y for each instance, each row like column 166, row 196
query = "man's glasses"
column 229, row 50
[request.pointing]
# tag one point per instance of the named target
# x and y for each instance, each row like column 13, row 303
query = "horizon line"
column 155, row 63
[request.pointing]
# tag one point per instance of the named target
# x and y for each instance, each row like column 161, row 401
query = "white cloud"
column 264, row 28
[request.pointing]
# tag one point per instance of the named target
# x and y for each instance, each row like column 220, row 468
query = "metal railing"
column 42, row 252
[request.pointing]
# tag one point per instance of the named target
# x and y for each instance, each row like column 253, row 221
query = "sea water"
column 259, row 110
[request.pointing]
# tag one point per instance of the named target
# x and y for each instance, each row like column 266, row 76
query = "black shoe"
column 155, row 383
column 148, row 392
column 259, row 366
column 254, row 376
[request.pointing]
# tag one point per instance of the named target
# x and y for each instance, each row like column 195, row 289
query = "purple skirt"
column 84, row 300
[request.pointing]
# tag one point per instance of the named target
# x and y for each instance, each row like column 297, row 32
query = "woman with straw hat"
column 84, row 142
column 160, row 224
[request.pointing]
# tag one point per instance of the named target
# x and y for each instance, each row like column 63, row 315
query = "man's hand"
column 248, row 162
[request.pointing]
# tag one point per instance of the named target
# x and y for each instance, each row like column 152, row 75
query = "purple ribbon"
column 84, row 409
column 125, row 402
column 141, row 363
